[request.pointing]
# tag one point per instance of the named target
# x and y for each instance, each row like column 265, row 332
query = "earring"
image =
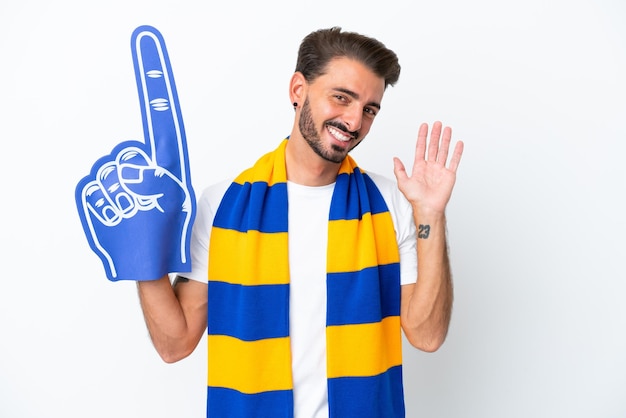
column 295, row 104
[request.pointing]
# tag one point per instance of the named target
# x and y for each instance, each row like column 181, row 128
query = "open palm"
column 432, row 178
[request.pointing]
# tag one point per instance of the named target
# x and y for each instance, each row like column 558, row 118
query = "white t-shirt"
column 308, row 221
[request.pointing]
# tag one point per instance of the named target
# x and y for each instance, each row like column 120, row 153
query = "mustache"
column 342, row 127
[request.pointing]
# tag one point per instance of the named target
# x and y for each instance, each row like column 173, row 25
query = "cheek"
column 328, row 112
column 365, row 127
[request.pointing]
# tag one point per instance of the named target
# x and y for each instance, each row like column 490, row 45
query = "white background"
column 536, row 89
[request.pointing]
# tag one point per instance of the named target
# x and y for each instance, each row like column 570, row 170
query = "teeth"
column 338, row 135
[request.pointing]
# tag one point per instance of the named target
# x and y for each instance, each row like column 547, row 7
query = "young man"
column 313, row 265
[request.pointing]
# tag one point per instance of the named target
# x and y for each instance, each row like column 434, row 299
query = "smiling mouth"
column 339, row 134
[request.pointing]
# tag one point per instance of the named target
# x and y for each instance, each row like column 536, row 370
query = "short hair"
column 318, row 48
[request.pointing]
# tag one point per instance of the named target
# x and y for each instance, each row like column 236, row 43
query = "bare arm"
column 426, row 306
column 176, row 315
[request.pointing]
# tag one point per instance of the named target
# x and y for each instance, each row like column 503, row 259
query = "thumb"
column 398, row 170
column 148, row 181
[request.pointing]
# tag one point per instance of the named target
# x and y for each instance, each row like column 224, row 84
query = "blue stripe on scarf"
column 348, row 291
column 380, row 396
column 356, row 204
column 265, row 211
column 262, row 319
column 230, row 403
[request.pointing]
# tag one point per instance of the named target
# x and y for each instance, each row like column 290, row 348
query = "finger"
column 455, row 160
column 433, row 146
column 420, row 146
column 99, row 205
column 444, row 146
column 160, row 108
column 113, row 191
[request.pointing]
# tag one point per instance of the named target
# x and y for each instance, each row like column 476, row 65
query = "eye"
column 370, row 111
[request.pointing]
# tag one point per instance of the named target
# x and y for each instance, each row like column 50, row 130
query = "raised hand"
column 432, row 178
column 137, row 205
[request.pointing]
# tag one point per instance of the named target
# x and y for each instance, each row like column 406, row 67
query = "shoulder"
column 398, row 205
column 382, row 182
column 212, row 195
column 388, row 187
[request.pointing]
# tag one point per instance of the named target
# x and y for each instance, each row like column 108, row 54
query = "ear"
column 297, row 88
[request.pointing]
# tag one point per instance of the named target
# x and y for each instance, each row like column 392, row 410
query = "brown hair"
column 320, row 47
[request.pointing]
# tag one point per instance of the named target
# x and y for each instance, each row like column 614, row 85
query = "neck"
column 307, row 168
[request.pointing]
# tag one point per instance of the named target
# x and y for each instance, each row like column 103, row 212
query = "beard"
column 311, row 135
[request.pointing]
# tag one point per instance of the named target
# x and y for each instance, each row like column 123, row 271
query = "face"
column 339, row 108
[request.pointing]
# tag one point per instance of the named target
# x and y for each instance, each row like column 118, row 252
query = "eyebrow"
column 356, row 96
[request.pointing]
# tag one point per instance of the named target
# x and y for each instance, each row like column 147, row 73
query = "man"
column 312, row 264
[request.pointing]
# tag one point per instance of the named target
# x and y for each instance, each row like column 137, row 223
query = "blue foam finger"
column 137, row 204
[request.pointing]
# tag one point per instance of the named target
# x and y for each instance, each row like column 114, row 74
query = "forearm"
column 171, row 331
column 427, row 305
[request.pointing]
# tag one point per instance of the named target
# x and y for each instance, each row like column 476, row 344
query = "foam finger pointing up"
column 160, row 108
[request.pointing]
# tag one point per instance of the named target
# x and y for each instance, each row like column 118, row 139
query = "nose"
column 353, row 117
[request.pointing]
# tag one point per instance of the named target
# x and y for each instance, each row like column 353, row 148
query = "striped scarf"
column 249, row 355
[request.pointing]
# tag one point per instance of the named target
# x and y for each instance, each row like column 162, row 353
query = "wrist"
column 430, row 215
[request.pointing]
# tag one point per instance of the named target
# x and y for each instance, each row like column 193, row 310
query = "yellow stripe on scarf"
column 234, row 364
column 351, row 234
column 250, row 258
column 363, row 349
